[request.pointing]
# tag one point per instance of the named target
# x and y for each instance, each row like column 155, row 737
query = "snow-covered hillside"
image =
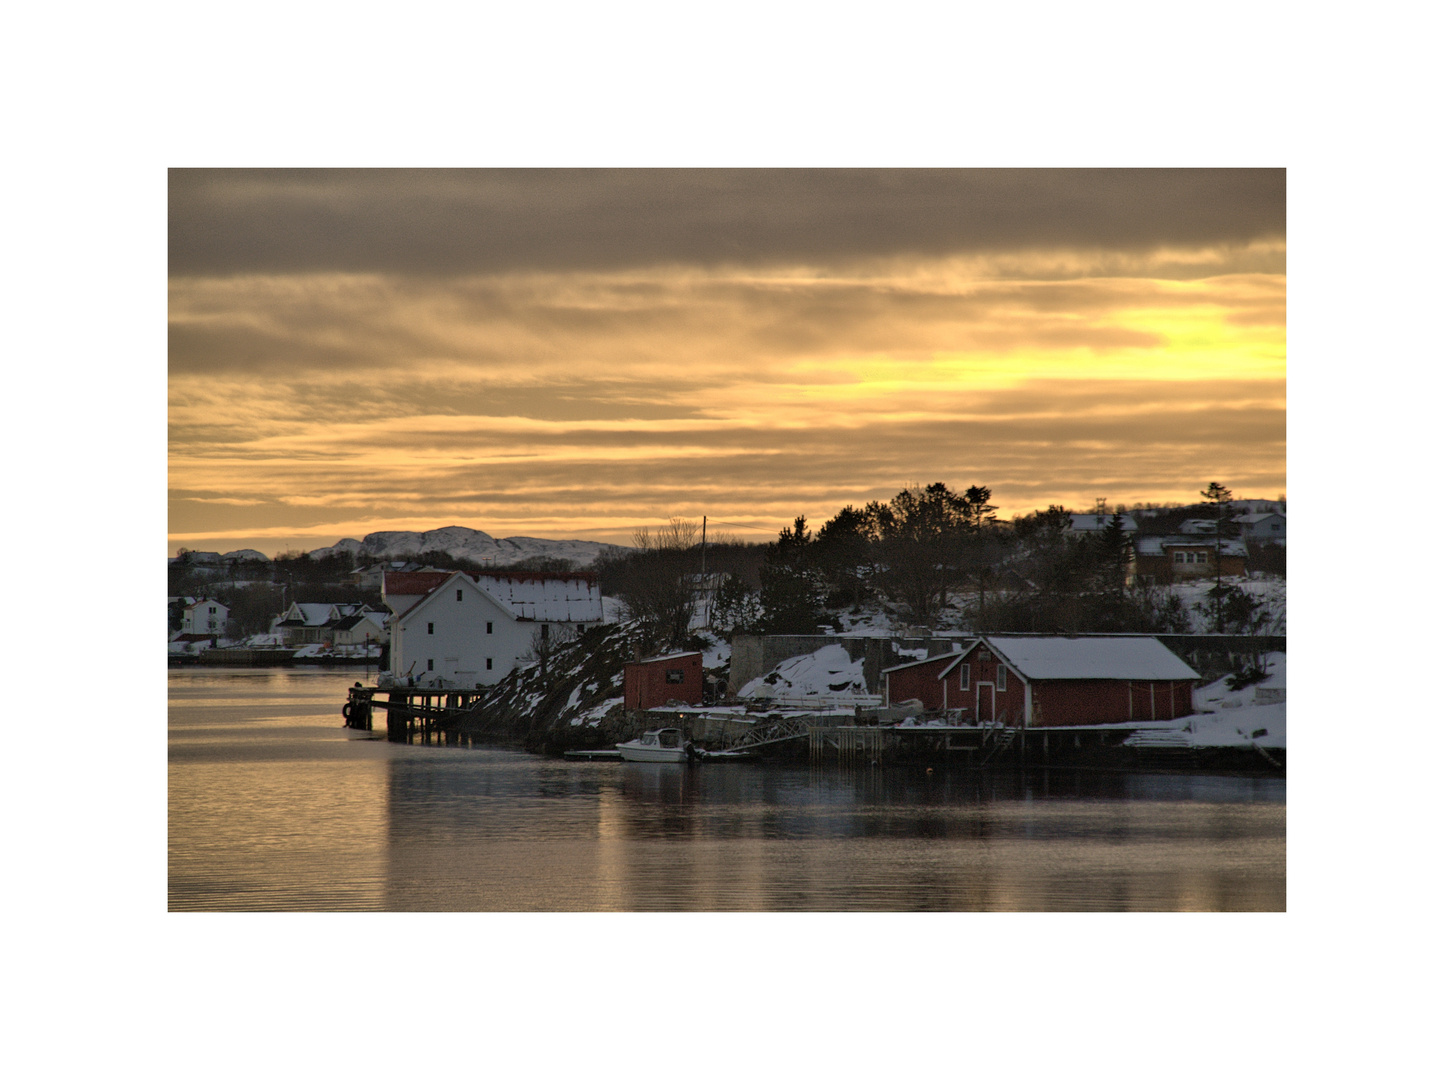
column 458, row 542
column 1257, row 713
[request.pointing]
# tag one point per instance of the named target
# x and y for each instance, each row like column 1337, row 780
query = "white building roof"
column 1091, row 658
column 545, row 597
column 315, row 614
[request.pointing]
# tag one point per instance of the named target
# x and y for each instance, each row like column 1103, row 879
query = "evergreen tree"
column 1218, row 496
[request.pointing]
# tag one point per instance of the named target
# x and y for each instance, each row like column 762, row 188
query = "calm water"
column 271, row 806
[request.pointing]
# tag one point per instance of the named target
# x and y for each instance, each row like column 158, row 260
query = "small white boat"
column 663, row 744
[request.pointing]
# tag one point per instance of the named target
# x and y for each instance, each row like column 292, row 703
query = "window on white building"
column 458, row 594
column 489, row 628
column 431, row 628
column 489, row 663
column 431, row 665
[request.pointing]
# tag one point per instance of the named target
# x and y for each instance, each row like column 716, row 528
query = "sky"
column 574, row 354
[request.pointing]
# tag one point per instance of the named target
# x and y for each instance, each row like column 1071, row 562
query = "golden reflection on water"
column 271, row 806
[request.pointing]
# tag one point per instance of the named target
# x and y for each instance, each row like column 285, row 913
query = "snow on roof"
column 567, row 597
column 1097, row 522
column 315, row 614
column 1091, row 658
column 668, row 656
column 1154, row 545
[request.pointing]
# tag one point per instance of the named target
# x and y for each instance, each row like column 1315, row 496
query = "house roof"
column 936, row 658
column 1041, row 658
column 1253, row 519
column 1096, row 522
column 315, row 614
column 1155, row 545
column 416, row 583
column 1091, row 658
column 668, row 656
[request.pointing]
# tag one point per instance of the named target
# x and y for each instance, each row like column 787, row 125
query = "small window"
column 489, row 663
column 1201, row 556
column 1000, row 678
column 675, row 675
column 431, row 628
column 1179, row 557
column 431, row 665
column 489, row 628
column 459, row 594
column 964, row 676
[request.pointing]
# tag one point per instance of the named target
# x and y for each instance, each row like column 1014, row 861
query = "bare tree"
column 659, row 584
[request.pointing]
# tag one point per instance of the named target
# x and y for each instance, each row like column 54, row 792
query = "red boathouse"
column 650, row 684
column 1050, row 681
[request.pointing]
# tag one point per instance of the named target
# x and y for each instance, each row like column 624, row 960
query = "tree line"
column 921, row 554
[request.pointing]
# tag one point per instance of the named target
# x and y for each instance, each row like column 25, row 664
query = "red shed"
column 654, row 682
column 1054, row 681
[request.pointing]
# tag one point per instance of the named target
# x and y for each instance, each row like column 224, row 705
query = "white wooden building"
column 466, row 629
column 204, row 617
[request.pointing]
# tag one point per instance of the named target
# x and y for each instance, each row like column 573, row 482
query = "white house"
column 204, row 617
column 463, row 629
column 1263, row 527
column 305, row 624
column 364, row 627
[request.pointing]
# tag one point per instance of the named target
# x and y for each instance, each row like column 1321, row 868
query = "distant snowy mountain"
column 461, row 543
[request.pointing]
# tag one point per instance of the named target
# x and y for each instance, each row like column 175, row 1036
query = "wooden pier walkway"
column 432, row 715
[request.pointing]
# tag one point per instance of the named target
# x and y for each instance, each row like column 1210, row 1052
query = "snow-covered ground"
column 826, row 674
column 1272, row 590
column 1227, row 717
column 356, row 652
column 593, row 716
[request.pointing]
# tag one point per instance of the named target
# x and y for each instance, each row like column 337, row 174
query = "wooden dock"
column 433, row 716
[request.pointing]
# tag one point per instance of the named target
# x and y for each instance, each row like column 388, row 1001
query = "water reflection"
column 271, row 806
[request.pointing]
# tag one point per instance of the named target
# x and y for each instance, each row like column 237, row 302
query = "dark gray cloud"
column 467, row 221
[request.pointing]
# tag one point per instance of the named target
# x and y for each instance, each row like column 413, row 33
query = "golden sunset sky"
column 573, row 354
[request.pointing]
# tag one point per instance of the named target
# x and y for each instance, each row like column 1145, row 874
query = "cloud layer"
column 586, row 352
